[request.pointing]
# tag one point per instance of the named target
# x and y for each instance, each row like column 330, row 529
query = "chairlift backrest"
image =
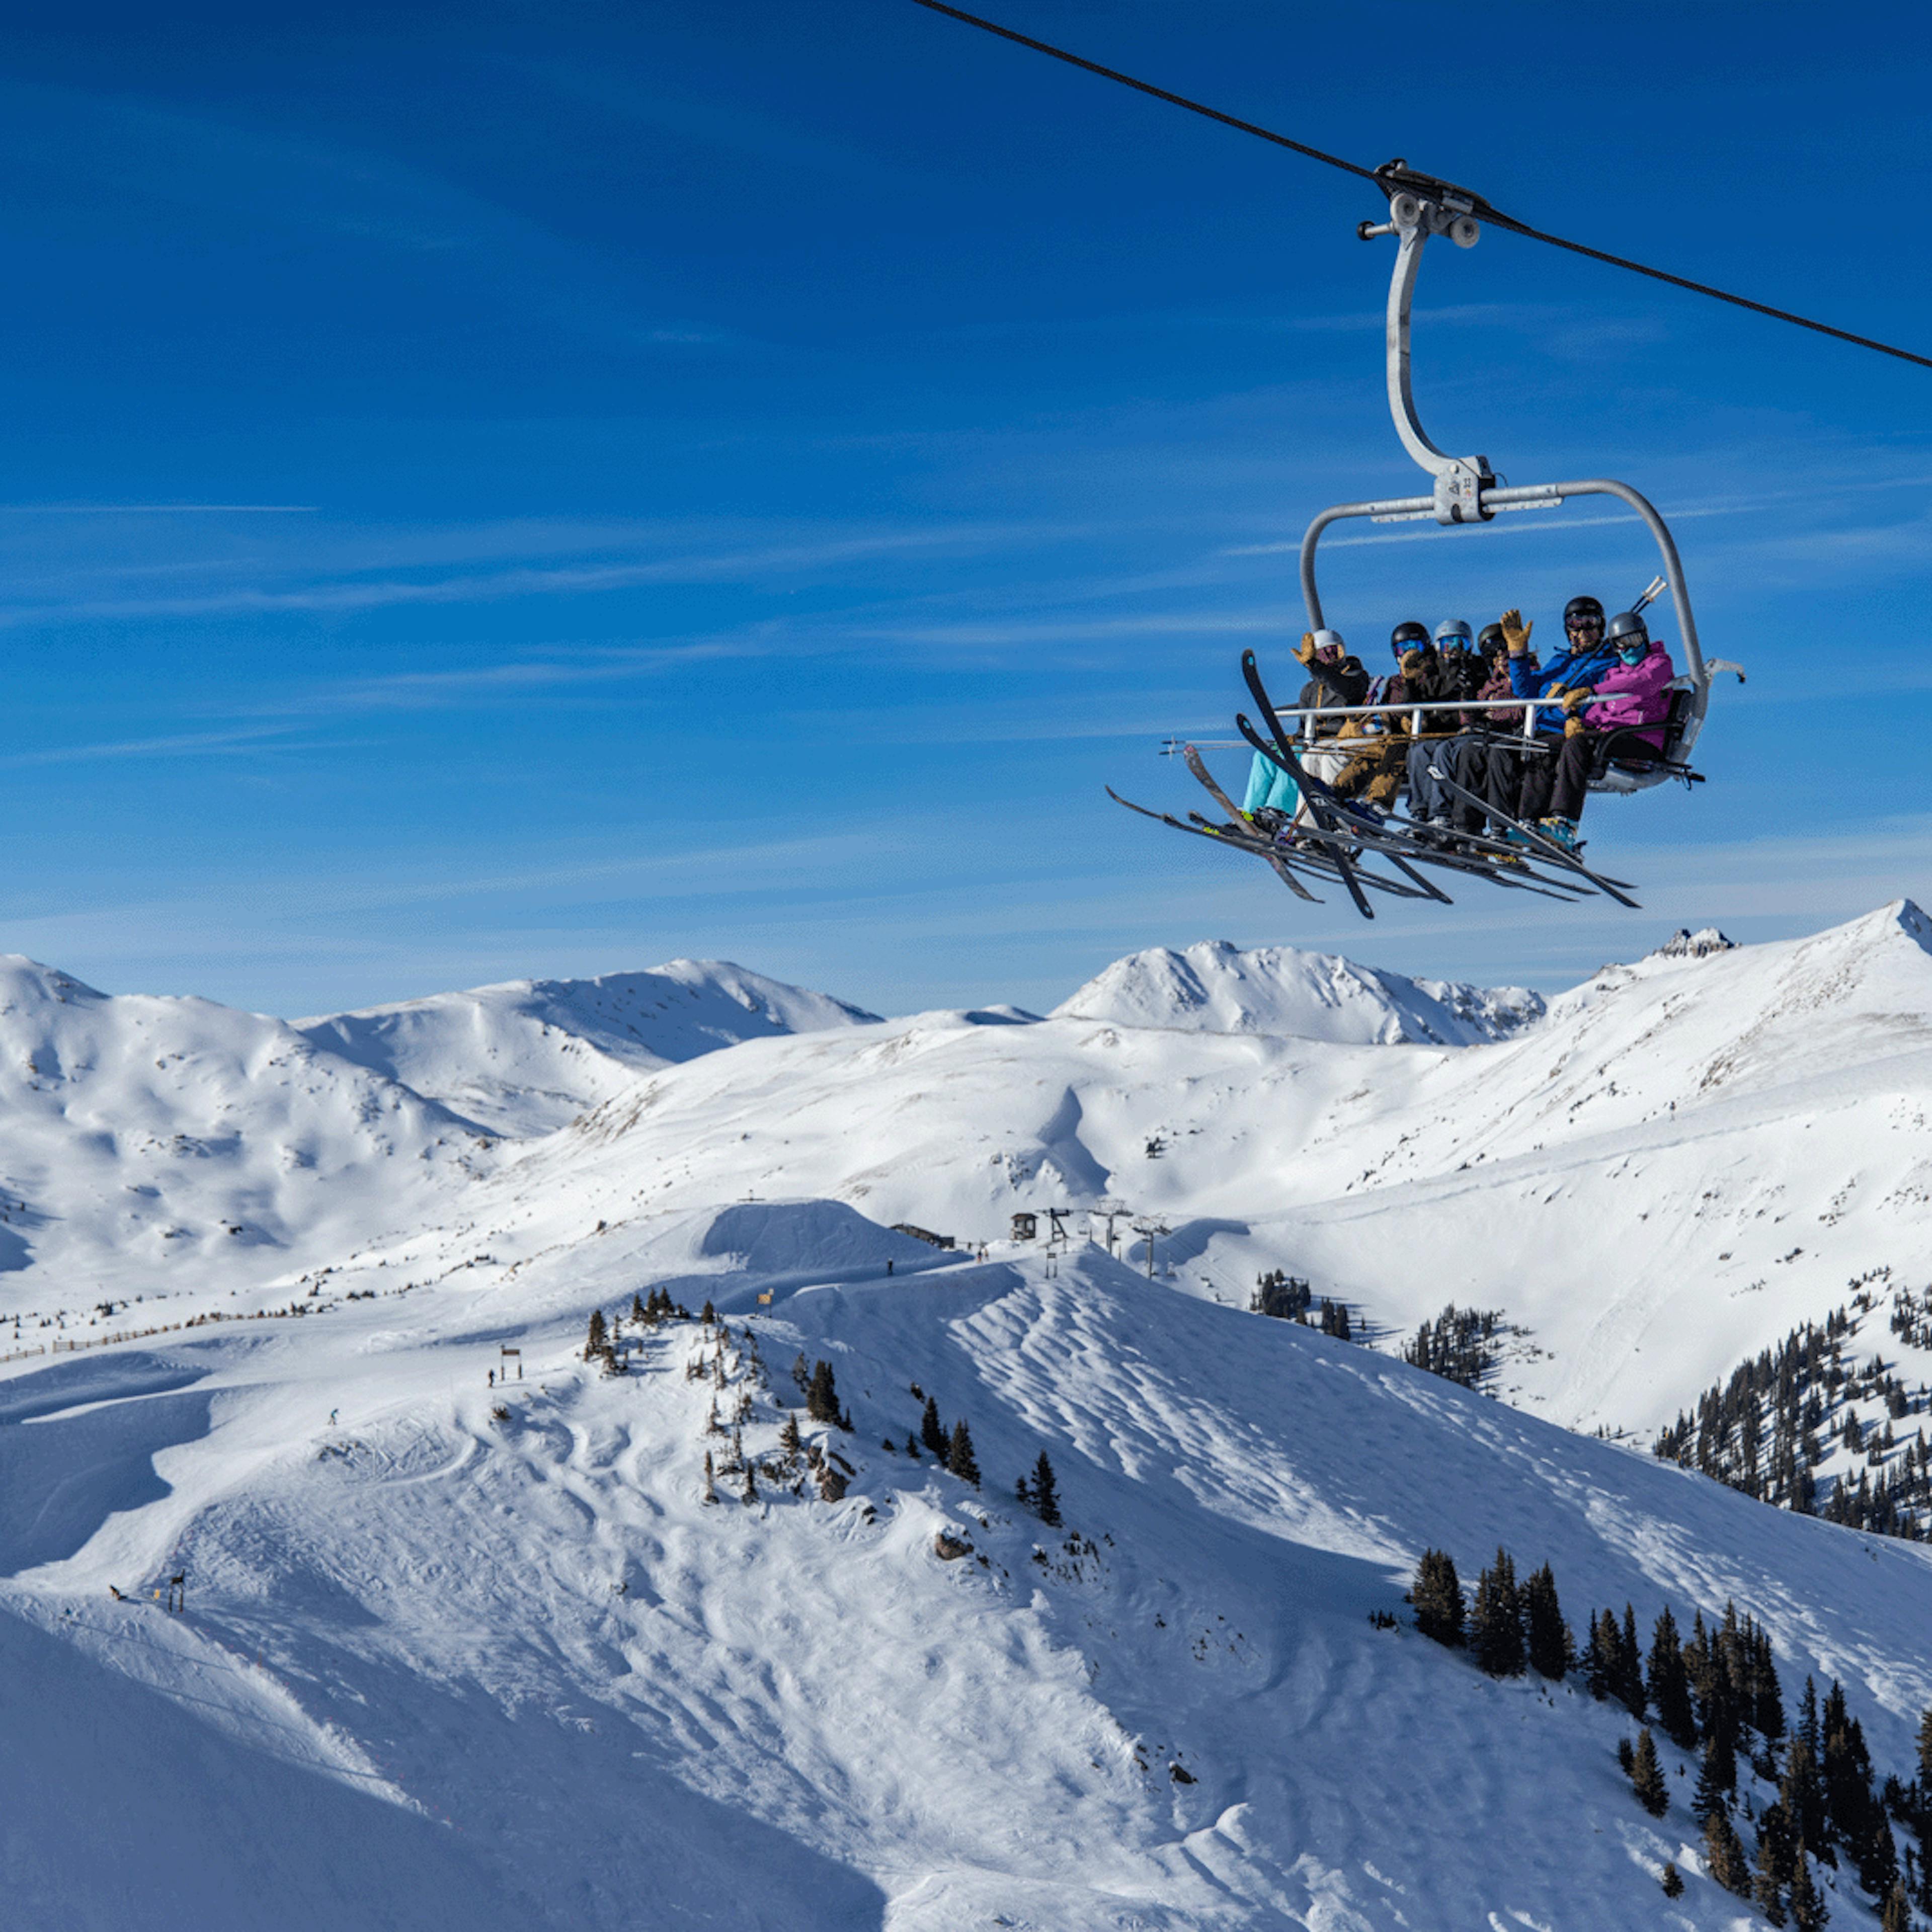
column 1466, row 491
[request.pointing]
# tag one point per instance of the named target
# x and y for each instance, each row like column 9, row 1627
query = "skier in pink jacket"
column 1625, row 709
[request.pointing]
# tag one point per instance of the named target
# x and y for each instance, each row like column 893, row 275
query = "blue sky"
column 513, row 489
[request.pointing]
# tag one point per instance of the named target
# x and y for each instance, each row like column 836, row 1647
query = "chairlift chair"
column 1465, row 490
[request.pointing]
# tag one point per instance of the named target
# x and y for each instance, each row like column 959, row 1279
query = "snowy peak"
column 1685, row 944
column 526, row 1057
column 148, row 1142
column 1214, row 987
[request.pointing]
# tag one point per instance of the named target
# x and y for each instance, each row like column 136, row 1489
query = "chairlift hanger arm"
column 1395, row 176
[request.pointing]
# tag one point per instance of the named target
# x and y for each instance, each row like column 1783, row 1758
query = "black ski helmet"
column 1627, row 624
column 1580, row 610
column 1492, row 640
column 1410, row 635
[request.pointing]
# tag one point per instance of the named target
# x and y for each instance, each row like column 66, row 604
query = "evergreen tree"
column 710, row 1314
column 1724, row 1854
column 599, row 1337
column 1898, row 1914
column 1437, row 1595
column 912, row 1447
column 1046, row 1493
column 1599, row 1655
column 1776, row 1843
column 1552, row 1649
column 1767, row 1882
column 1669, row 1685
column 959, row 1454
column 1808, row 1908
column 1673, row 1880
column 1495, row 1621
column 1853, row 1813
column 789, row 1441
column 1925, row 1757
column 932, row 1431
column 1800, row 1795
column 1716, row 1777
column 751, row 1485
column 710, row 1484
column 821, row 1395
column 1647, row 1776
column 1767, row 1698
column 636, row 1308
column 1629, row 1666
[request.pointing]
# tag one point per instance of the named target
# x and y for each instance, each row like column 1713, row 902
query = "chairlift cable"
column 1390, row 177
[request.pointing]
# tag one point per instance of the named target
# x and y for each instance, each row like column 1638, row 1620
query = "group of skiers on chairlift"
column 1613, row 680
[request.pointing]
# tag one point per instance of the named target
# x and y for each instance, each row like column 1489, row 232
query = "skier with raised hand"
column 1627, row 707
column 1575, row 668
column 1334, row 678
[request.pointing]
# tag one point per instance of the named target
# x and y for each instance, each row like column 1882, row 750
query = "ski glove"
column 1516, row 632
column 1574, row 727
column 1576, row 695
column 1305, row 650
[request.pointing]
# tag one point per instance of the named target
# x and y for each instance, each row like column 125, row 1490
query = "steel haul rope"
column 1381, row 177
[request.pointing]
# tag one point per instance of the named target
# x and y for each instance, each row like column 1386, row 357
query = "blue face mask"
column 1633, row 654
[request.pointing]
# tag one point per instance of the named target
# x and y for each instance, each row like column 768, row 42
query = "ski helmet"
column 1628, row 636
column 1328, row 640
column 1582, row 610
column 1492, row 640
column 1407, row 636
column 1452, row 630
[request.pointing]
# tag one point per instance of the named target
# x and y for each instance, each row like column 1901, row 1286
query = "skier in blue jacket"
column 1585, row 657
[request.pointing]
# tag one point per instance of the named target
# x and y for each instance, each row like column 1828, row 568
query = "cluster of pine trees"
column 1912, row 1317
column 1716, row 1693
column 821, row 1395
column 603, row 1339
column 1508, row 1627
column 1768, row 1429
column 1288, row 1298
column 954, row 1448
column 1459, row 1345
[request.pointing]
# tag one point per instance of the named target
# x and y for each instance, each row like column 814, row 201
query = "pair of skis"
column 1330, row 846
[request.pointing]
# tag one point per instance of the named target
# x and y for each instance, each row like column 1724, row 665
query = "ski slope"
column 440, row 1669
column 1683, row 1158
column 441, row 1666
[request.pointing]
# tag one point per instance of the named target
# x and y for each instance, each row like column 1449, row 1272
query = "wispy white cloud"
column 180, row 744
column 696, row 566
column 158, row 509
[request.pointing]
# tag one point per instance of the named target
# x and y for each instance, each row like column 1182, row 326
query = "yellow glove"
column 1305, row 650
column 1573, row 698
column 1573, row 726
column 1516, row 632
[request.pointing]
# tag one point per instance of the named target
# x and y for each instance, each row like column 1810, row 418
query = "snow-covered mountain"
column 460, row 1656
column 153, row 1147
column 467, row 1650
column 524, row 1058
column 1214, row 987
